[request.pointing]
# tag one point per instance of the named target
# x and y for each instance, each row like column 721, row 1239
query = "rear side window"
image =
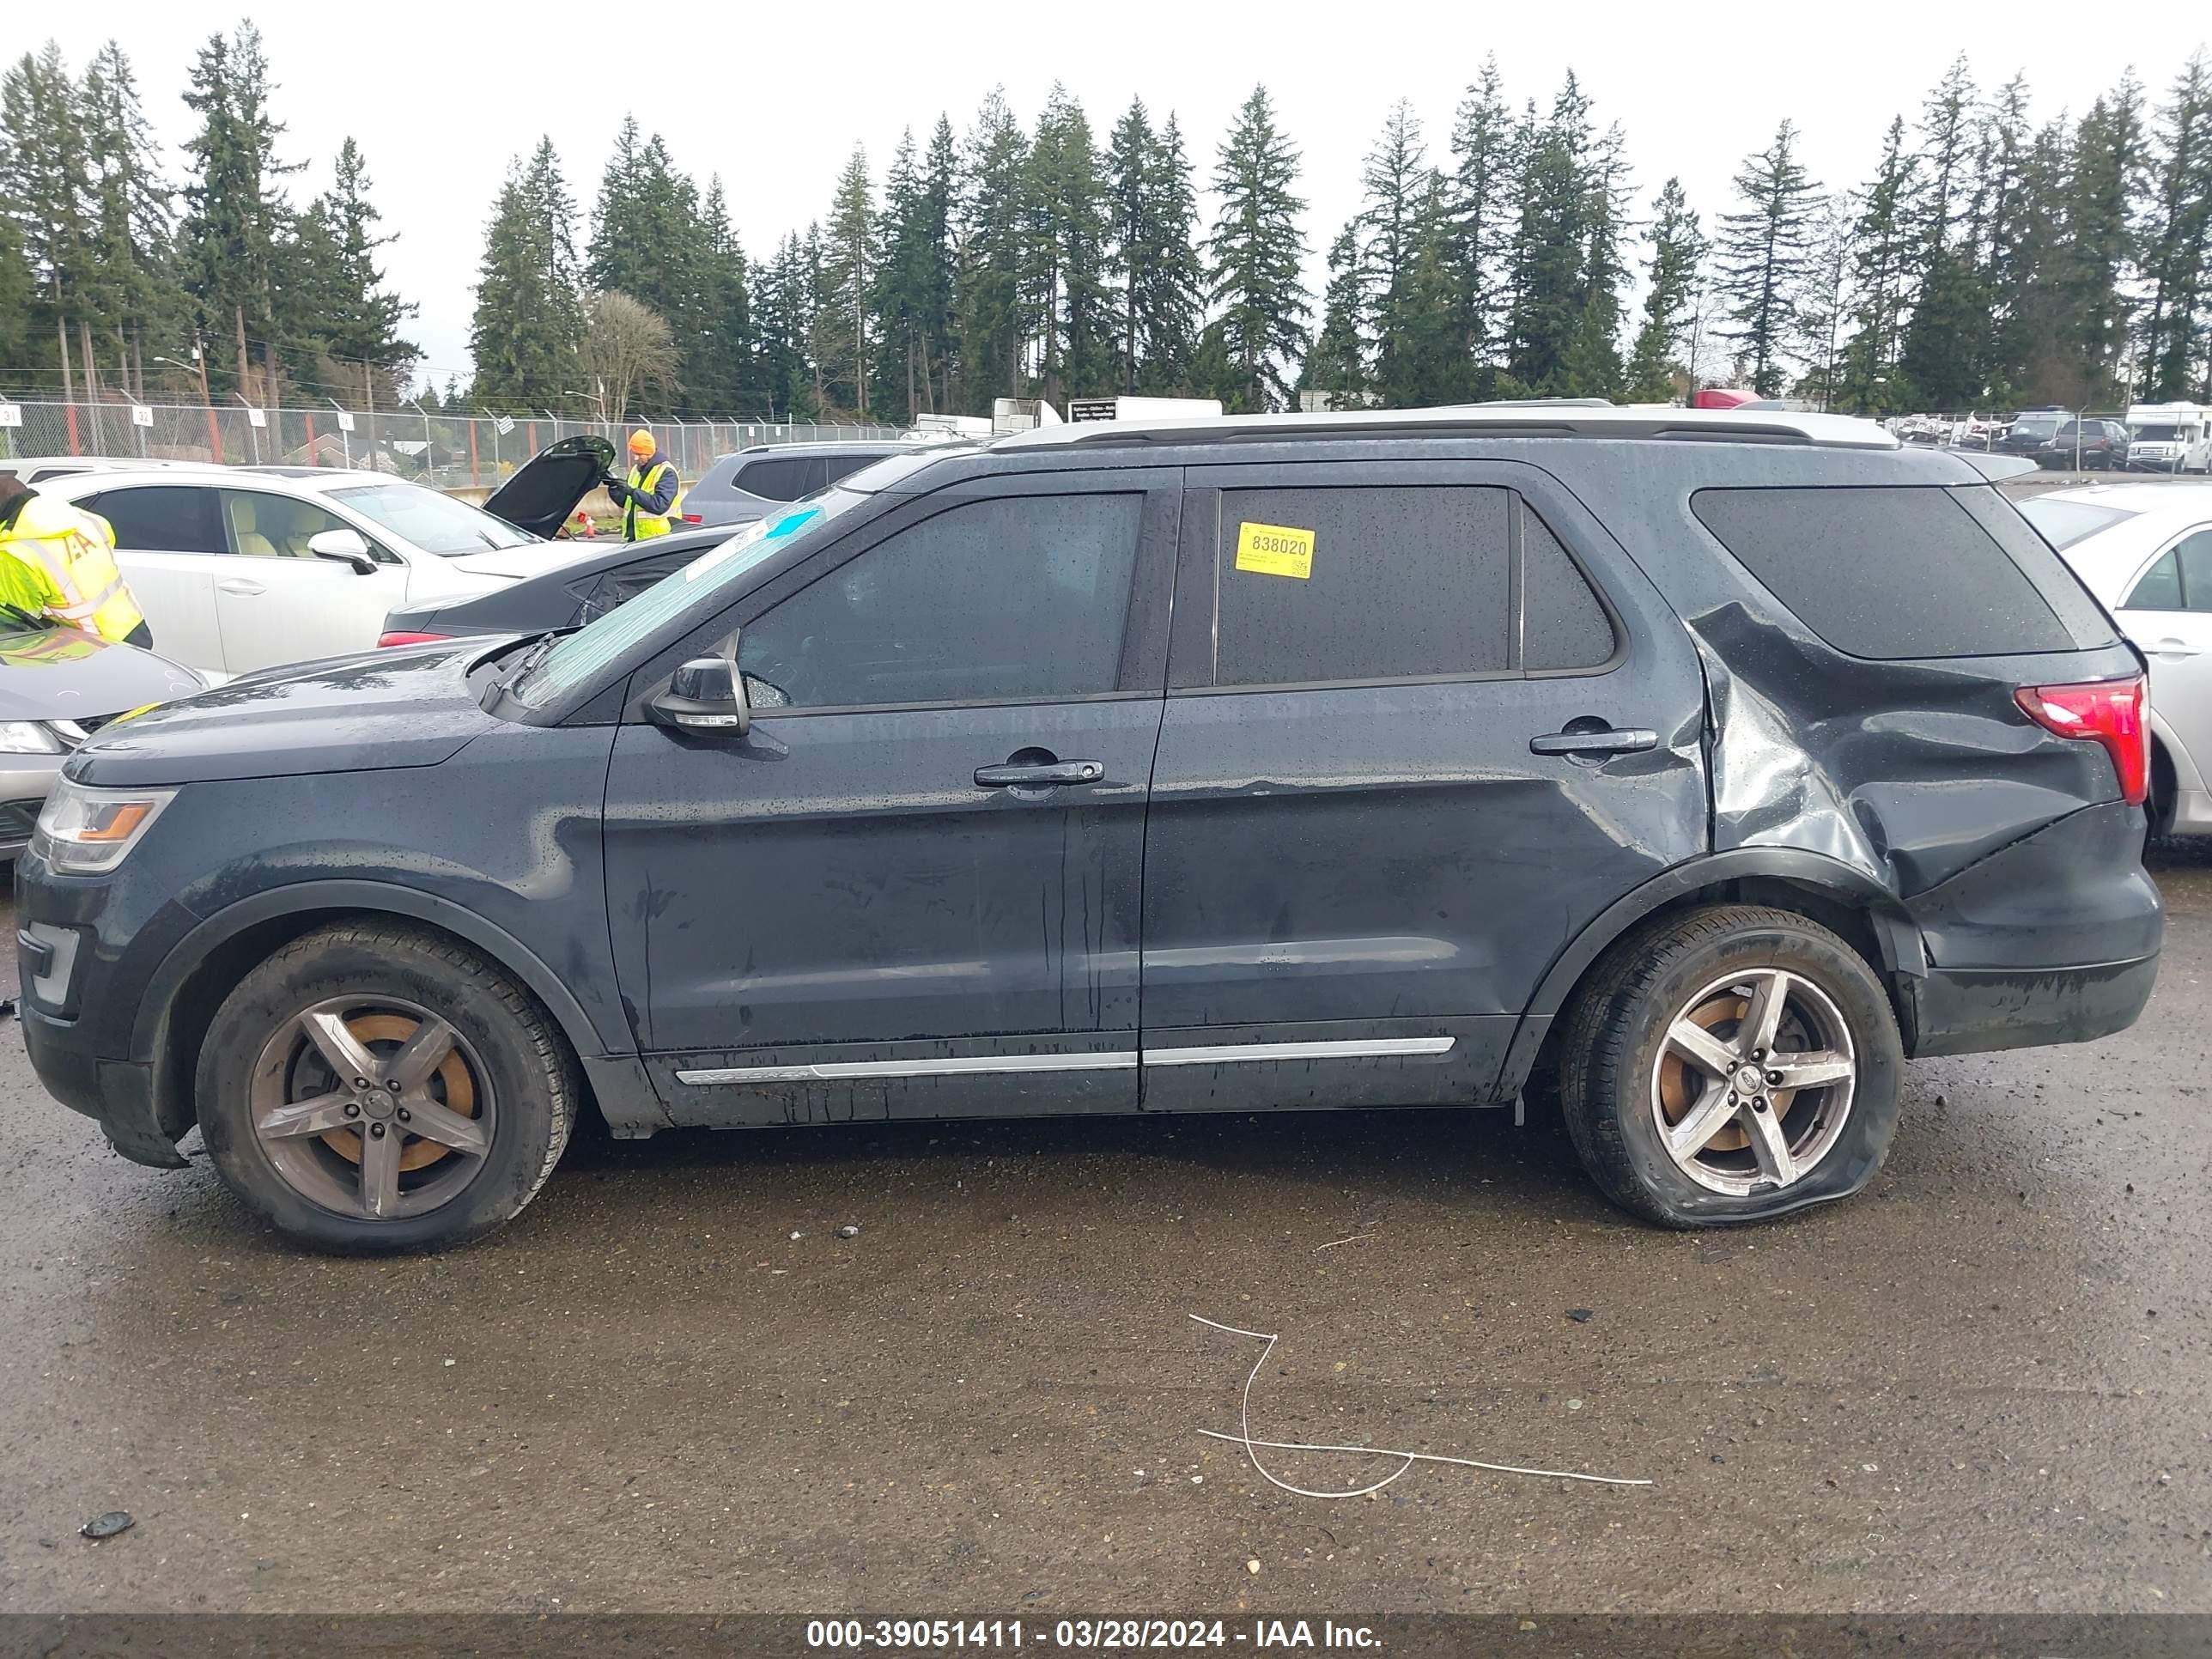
column 1896, row 572
column 1387, row 582
column 782, row 478
column 1362, row 584
column 2180, row 581
column 162, row 519
column 835, row 467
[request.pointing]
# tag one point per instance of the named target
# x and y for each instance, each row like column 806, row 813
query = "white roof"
column 1838, row 429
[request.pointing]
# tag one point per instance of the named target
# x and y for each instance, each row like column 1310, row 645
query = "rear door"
column 171, row 549
column 1424, row 721
column 278, row 603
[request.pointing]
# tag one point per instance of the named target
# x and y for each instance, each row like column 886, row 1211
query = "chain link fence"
column 449, row 451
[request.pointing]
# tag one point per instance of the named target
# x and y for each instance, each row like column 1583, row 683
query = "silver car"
column 2146, row 551
column 752, row 484
column 57, row 686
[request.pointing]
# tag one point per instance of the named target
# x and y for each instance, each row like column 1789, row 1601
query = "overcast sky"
column 773, row 97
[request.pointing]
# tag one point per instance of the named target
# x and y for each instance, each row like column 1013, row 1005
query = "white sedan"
column 244, row 567
column 2146, row 551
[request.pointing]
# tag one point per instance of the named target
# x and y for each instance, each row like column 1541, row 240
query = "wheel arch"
column 208, row 961
column 1840, row 897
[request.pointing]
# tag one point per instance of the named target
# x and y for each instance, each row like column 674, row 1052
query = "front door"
column 1425, row 720
column 914, row 888
column 279, row 602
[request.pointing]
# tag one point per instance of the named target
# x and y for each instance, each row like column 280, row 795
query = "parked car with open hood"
column 241, row 569
column 1708, row 765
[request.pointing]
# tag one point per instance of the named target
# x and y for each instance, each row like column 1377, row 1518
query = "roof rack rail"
column 1535, row 419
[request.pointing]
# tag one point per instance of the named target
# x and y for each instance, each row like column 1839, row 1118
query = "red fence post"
column 314, row 456
column 215, row 436
column 73, row 448
column 472, row 454
column 533, row 437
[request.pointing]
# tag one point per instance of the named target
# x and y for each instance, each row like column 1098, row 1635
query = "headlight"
column 28, row 737
column 83, row 832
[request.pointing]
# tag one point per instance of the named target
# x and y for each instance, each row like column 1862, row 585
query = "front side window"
column 162, row 519
column 1363, row 583
column 1021, row 599
column 267, row 527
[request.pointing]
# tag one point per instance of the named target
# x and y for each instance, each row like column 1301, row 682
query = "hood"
column 512, row 563
column 407, row 706
column 540, row 497
column 61, row 674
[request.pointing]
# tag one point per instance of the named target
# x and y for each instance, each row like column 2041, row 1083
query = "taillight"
column 692, row 517
column 402, row 636
column 2115, row 713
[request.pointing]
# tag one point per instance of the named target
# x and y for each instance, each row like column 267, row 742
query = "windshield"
column 2064, row 523
column 2037, row 425
column 697, row 586
column 436, row 524
column 2158, row 434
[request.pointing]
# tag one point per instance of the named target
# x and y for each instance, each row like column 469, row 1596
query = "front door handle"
column 1038, row 775
column 242, row 587
column 1595, row 740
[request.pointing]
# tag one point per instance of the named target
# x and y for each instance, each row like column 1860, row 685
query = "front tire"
column 1729, row 1065
column 376, row 1087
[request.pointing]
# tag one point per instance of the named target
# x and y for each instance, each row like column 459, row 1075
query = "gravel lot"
column 673, row 1386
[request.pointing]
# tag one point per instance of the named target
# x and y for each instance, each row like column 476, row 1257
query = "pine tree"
column 782, row 320
column 1066, row 252
column 1337, row 364
column 1884, row 258
column 991, row 238
column 44, row 181
column 649, row 242
column 1674, row 271
column 1127, row 170
column 846, row 287
column 139, row 298
column 1484, row 182
column 1256, row 252
column 1823, row 313
column 1945, row 345
column 1551, row 280
column 904, row 266
column 2109, row 150
column 1395, row 179
column 721, row 373
column 364, row 327
column 1171, row 287
column 1763, row 256
column 2179, row 239
column 1593, row 367
column 938, row 294
column 529, row 312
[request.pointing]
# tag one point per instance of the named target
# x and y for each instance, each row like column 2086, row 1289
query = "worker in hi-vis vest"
column 652, row 496
column 58, row 561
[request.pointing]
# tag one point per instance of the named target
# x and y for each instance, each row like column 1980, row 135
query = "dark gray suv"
column 756, row 481
column 1703, row 766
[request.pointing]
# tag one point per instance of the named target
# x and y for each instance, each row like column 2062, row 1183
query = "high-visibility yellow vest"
column 636, row 526
column 69, row 555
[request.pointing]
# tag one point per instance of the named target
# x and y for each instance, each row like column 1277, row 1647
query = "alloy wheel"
column 373, row 1107
column 1753, row 1082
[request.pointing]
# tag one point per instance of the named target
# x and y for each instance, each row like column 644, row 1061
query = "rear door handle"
column 1044, row 774
column 2176, row 648
column 240, row 586
column 1602, row 740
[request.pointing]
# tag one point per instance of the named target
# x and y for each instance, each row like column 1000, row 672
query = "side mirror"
column 347, row 547
column 706, row 695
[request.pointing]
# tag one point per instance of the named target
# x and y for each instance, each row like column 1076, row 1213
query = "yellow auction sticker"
column 1275, row 550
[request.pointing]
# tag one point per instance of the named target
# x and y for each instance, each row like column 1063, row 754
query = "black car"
column 596, row 581
column 2087, row 446
column 1700, row 767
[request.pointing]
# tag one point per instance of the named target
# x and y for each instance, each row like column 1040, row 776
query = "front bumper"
column 117, row 1094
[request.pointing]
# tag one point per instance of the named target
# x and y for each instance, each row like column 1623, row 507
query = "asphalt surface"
column 1980, row 1386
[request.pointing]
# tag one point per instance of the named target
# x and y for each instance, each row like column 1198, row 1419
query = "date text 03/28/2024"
column 918, row 1635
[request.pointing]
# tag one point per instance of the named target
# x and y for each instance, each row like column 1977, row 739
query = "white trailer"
column 1141, row 409
column 2170, row 438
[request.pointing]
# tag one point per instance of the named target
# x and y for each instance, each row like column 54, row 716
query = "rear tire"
column 1687, row 1112
column 376, row 1087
